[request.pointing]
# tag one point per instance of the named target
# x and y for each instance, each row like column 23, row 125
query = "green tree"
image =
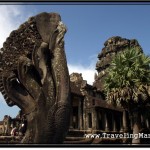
column 127, row 84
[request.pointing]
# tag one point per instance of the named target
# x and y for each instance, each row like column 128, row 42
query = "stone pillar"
column 79, row 115
column 143, row 122
column 71, row 114
column 71, row 118
column 84, row 115
column 124, row 120
column 99, row 118
column 102, row 120
column 94, row 119
column 114, row 122
column 131, row 122
column 84, row 127
column 106, row 122
column 121, row 122
column 147, row 123
column 86, row 119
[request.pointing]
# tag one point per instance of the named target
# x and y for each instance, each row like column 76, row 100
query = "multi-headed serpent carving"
column 34, row 76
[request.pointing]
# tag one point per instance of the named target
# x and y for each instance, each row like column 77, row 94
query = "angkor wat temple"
column 90, row 112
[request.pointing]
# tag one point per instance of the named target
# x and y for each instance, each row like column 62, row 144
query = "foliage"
column 128, row 79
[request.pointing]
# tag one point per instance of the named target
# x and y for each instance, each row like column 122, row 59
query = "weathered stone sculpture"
column 34, row 76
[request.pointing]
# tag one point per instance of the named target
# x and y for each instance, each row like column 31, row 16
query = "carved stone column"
column 131, row 122
column 84, row 115
column 71, row 118
column 103, row 120
column 121, row 122
column 84, row 120
column 114, row 122
column 71, row 113
column 94, row 119
column 99, row 117
column 147, row 123
column 143, row 121
column 106, row 122
column 124, row 120
column 80, row 115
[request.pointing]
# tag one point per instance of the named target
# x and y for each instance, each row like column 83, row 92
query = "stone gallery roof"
column 79, row 86
column 104, row 104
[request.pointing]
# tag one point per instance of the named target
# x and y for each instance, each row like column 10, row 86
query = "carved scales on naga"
column 34, row 76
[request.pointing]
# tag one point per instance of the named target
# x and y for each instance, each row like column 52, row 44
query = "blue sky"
column 89, row 26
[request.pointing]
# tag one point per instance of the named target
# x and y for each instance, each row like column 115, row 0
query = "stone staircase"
column 74, row 137
column 9, row 139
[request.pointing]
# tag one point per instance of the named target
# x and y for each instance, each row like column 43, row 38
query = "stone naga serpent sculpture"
column 34, row 76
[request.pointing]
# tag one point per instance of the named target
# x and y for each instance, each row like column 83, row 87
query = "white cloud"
column 1, row 98
column 7, row 22
column 88, row 72
column 10, row 18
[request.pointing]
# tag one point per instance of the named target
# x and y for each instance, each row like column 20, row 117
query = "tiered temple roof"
column 111, row 47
